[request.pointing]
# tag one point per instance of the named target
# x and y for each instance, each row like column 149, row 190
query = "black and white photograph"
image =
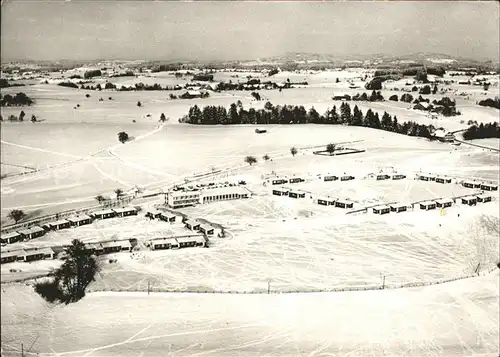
column 250, row 178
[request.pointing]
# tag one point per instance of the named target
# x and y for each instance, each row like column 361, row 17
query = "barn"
column 125, row 211
column 382, row 210
column 444, row 203
column 484, row 198
column 399, row 207
column 103, row 214
column 11, row 237
column 344, row 204
column 427, row 205
column 32, row 232
column 80, row 220
column 470, row 201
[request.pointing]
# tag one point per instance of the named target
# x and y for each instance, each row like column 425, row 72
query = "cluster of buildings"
column 186, row 198
column 36, row 231
column 195, row 240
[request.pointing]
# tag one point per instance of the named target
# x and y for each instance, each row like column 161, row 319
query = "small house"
column 382, row 210
column 427, row 205
column 346, row 178
column 10, row 237
column 344, row 204
column 296, row 194
column 126, row 245
column 32, row 232
column 192, row 224
column 423, row 177
column 111, row 247
column 61, row 224
column 125, row 211
column 399, row 207
column 163, row 243
column 382, row 177
column 80, row 220
column 441, row 179
column 444, row 203
column 279, row 181
column 330, row 178
column 94, row 248
column 103, row 214
column 468, row 184
column 398, row 177
column 326, row 201
column 471, row 201
column 484, row 198
column 8, row 257
column 280, row 192
column 191, row 241
column 167, row 217
column 296, row 180
column 488, row 187
column 207, row 229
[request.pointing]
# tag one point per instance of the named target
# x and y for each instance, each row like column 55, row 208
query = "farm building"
column 167, row 217
column 471, row 201
column 125, row 211
column 427, row 205
column 163, row 243
column 347, row 178
column 280, row 192
column 422, row 106
column 192, row 224
column 342, row 97
column 103, row 214
column 11, row 237
column 296, row 180
column 224, row 194
column 32, row 232
column 382, row 210
column 484, row 198
column 399, row 207
column 190, row 94
column 178, row 199
column 296, row 194
column 61, row 224
column 344, row 204
column 330, row 178
column 398, row 177
column 382, row 177
column 444, row 203
column 8, row 257
column 80, row 220
column 488, row 187
column 111, row 247
column 207, row 229
column 279, row 181
column 326, row 201
column 191, row 241
column 441, row 179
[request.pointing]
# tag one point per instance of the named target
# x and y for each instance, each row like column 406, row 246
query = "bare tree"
column 250, row 160
column 293, row 151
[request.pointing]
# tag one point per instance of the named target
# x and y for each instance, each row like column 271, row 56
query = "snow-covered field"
column 453, row 319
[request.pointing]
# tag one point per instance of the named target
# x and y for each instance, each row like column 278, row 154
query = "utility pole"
column 22, row 350
column 383, row 283
column 149, row 284
column 269, row 286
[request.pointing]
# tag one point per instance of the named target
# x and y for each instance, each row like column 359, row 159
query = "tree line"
column 482, row 131
column 493, row 103
column 287, row 114
column 18, row 100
